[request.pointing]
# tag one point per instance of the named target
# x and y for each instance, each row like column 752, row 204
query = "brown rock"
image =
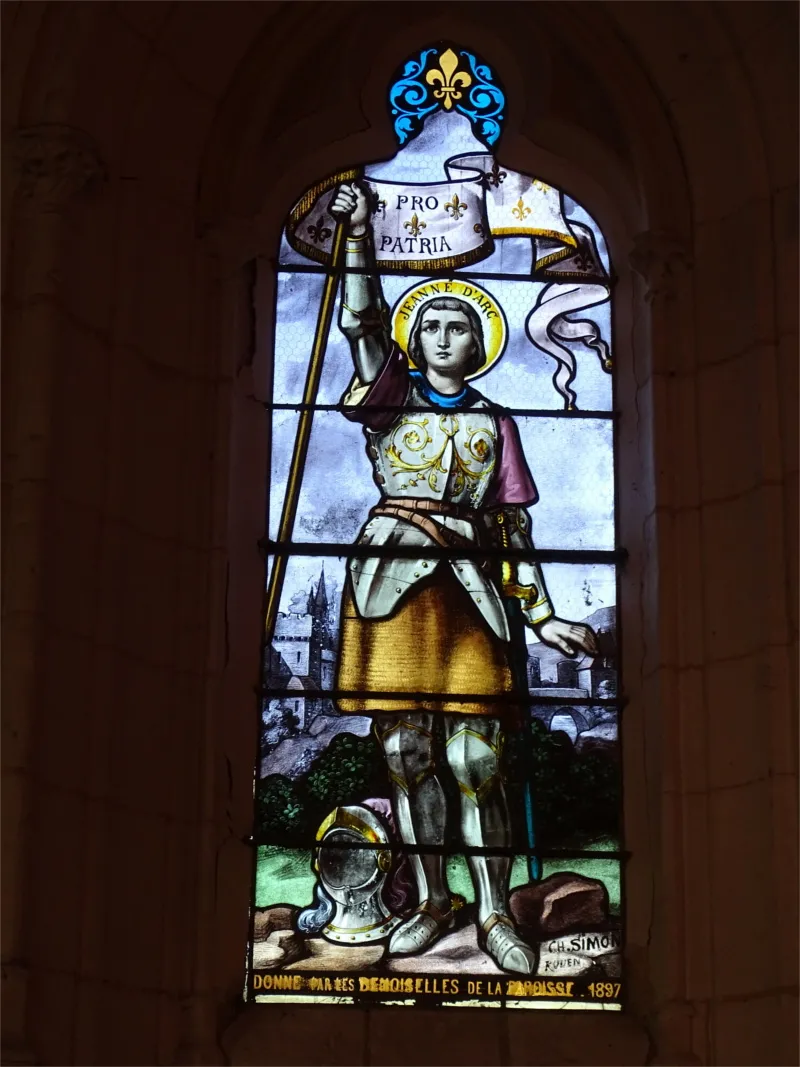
column 560, row 904
column 283, row 938
column 267, row 957
column 269, row 919
column 278, row 949
column 325, row 956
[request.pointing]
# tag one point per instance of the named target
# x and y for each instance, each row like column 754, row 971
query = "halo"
column 493, row 319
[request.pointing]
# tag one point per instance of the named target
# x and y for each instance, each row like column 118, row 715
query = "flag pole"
column 519, row 663
column 289, row 513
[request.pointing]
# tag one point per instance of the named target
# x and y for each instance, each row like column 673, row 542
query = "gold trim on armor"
column 439, row 917
column 345, row 819
column 489, row 924
column 401, row 783
column 410, row 725
column 384, row 858
column 418, row 780
column 477, row 796
column 538, row 604
column 547, row 614
column 423, row 774
column 481, row 737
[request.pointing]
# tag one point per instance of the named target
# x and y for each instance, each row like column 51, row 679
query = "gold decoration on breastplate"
column 476, row 447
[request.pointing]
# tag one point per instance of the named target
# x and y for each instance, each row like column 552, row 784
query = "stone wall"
column 151, row 151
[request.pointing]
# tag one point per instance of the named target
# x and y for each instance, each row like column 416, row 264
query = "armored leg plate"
column 473, row 752
column 408, row 747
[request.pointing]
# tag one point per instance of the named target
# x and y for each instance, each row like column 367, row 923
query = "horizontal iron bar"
column 328, row 548
column 386, row 409
column 440, row 274
column 454, row 849
column 511, row 699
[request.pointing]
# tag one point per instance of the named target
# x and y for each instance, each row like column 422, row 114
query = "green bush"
column 281, row 809
column 349, row 771
column 575, row 796
column 595, row 786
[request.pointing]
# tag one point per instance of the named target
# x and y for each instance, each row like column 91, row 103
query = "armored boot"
column 419, row 932
column 498, row 938
column 474, row 746
column 420, row 812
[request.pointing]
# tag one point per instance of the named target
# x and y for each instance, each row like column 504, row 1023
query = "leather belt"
column 412, row 511
column 439, row 507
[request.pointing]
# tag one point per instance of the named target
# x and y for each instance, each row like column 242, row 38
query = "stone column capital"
column 660, row 257
column 54, row 163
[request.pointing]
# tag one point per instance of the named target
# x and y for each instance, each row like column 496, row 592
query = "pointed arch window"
column 438, row 790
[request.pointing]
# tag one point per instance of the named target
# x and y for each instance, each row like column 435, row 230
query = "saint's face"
column 447, row 342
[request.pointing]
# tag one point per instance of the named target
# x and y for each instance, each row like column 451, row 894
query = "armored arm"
column 521, row 578
column 364, row 316
column 510, row 528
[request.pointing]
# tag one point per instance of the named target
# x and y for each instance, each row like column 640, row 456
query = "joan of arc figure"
column 451, row 473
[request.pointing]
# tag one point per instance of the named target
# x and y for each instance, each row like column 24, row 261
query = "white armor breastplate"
column 434, row 455
column 431, row 455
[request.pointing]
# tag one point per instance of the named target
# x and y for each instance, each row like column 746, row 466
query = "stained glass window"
column 438, row 791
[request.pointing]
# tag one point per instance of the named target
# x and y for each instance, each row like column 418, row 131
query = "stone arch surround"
column 152, row 152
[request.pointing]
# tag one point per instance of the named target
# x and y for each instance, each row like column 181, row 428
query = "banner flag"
column 518, row 205
column 455, row 223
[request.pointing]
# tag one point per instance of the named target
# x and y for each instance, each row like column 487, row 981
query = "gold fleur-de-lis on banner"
column 455, row 207
column 414, row 225
column 449, row 80
column 541, row 185
column 319, row 232
column 520, row 211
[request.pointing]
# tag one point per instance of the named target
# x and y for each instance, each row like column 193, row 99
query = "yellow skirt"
column 437, row 642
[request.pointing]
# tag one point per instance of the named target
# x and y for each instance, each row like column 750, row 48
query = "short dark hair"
column 448, row 303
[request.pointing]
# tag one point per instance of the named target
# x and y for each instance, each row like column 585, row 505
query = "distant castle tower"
column 301, row 658
column 317, row 608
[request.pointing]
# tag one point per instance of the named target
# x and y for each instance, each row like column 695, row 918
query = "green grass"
column 284, row 875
